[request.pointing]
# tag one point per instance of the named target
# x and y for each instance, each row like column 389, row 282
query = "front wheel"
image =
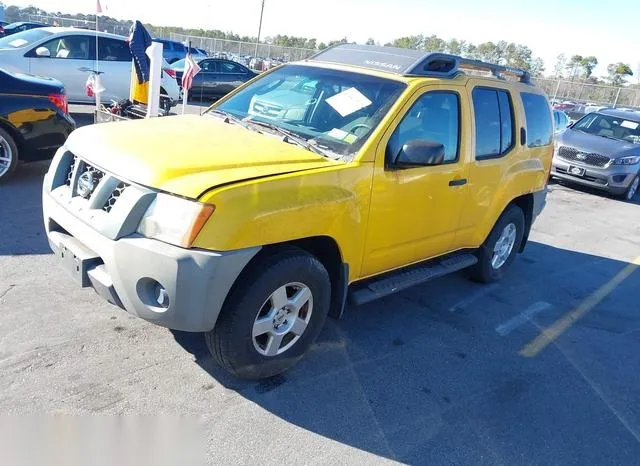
column 272, row 315
column 499, row 250
column 631, row 192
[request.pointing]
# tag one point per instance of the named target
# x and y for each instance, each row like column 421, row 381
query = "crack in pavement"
column 4, row 293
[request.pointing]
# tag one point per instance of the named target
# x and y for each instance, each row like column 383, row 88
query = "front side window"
column 230, row 67
column 539, row 121
column 435, row 117
column 331, row 109
column 207, row 66
column 71, row 48
column 493, row 114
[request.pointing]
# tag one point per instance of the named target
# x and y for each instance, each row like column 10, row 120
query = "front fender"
column 324, row 202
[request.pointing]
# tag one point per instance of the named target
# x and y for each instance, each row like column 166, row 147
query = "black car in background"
column 216, row 78
column 12, row 28
column 34, row 119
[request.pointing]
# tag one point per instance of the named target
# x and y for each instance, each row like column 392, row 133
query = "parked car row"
column 69, row 54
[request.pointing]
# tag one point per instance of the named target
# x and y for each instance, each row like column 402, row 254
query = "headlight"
column 174, row 220
column 630, row 160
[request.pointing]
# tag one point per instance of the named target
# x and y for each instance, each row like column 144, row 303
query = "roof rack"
column 407, row 62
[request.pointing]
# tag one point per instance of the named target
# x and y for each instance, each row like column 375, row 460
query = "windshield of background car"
column 334, row 109
column 23, row 39
column 611, row 127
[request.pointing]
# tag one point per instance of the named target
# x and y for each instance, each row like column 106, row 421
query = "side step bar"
column 405, row 278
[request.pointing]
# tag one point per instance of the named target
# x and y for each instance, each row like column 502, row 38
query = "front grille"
column 574, row 155
column 87, row 171
column 70, row 172
column 115, row 194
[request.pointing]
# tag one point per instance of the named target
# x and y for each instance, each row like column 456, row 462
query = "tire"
column 236, row 342
column 633, row 189
column 486, row 271
column 8, row 155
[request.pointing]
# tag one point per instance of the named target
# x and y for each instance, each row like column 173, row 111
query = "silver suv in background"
column 601, row 150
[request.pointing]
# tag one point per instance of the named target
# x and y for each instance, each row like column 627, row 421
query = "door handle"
column 460, row 182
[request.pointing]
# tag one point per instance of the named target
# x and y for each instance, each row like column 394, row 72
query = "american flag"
column 191, row 68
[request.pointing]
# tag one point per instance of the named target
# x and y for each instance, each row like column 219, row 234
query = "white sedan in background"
column 67, row 53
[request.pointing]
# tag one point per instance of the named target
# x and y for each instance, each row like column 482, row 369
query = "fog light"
column 161, row 295
column 153, row 294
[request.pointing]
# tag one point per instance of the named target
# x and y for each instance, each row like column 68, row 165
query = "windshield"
column 23, row 39
column 610, row 127
column 333, row 109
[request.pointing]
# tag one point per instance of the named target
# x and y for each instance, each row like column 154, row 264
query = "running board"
column 405, row 278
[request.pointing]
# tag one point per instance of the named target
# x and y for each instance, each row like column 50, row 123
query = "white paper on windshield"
column 17, row 43
column 337, row 133
column 349, row 101
column 630, row 124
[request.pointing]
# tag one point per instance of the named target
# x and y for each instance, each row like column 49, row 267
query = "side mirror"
column 43, row 52
column 419, row 153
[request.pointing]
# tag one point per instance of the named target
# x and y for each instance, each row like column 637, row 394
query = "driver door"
column 415, row 211
column 68, row 53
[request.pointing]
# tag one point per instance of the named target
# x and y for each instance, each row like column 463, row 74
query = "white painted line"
column 526, row 315
column 485, row 290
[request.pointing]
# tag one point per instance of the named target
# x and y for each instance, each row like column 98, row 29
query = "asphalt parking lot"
column 450, row 372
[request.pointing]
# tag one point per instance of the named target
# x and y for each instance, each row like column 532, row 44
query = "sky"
column 608, row 30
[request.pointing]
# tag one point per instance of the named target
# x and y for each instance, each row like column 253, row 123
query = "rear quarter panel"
column 35, row 123
column 330, row 202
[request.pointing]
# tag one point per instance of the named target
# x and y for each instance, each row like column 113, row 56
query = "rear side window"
column 539, row 122
column 494, row 126
column 113, row 49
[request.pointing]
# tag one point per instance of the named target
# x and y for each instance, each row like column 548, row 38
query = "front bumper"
column 615, row 179
column 125, row 269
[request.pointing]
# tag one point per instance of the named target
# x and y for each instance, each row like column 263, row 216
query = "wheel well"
column 525, row 203
column 17, row 137
column 327, row 251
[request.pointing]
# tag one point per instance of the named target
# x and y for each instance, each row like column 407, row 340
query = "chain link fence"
column 581, row 92
column 231, row 47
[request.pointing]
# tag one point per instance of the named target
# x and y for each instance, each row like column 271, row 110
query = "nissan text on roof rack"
column 346, row 177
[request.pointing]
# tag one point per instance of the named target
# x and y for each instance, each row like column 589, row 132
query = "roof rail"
column 408, row 62
column 443, row 65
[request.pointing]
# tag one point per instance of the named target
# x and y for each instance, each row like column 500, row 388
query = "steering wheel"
column 360, row 125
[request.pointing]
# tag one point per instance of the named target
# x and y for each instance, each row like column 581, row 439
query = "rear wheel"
column 272, row 315
column 499, row 250
column 8, row 155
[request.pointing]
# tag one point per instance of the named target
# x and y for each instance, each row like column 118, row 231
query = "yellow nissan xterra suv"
column 349, row 176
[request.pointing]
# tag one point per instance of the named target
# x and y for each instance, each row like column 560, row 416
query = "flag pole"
column 97, row 80
column 185, row 91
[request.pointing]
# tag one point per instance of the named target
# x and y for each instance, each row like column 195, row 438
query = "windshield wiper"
column 228, row 117
column 290, row 136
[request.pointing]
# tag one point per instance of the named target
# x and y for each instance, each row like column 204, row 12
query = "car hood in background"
column 188, row 155
column 595, row 144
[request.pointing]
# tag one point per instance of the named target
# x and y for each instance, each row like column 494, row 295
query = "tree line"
column 576, row 68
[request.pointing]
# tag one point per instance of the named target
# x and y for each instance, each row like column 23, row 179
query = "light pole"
column 259, row 30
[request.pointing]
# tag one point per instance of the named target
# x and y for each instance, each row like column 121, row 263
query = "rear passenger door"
column 231, row 75
column 115, row 63
column 502, row 167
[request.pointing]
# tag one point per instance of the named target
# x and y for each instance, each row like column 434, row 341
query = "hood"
column 595, row 144
column 188, row 155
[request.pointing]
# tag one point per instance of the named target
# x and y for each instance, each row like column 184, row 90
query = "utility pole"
column 259, row 30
